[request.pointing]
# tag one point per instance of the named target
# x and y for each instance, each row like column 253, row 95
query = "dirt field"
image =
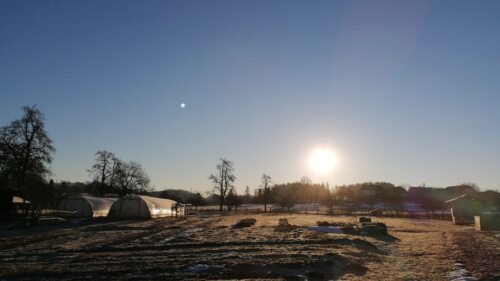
column 209, row 248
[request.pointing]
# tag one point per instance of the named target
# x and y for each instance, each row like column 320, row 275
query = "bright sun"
column 322, row 161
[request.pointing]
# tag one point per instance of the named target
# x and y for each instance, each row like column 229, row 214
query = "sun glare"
column 322, row 161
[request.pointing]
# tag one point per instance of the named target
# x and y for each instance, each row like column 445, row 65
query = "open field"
column 209, row 248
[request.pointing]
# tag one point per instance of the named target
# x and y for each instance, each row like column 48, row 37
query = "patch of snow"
column 185, row 233
column 191, row 231
column 306, row 206
column 251, row 206
column 201, row 267
column 460, row 274
column 327, row 229
column 198, row 268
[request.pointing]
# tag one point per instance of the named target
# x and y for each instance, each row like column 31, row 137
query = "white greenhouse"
column 142, row 207
column 87, row 206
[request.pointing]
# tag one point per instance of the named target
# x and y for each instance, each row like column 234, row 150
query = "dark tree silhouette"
column 233, row 200
column 223, row 180
column 266, row 185
column 197, row 200
column 248, row 196
column 131, row 178
column 25, row 152
column 104, row 169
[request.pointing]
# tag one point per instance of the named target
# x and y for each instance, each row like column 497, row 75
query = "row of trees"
column 304, row 191
column 350, row 197
column 286, row 195
column 26, row 152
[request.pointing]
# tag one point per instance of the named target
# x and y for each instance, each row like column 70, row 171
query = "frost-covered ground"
column 209, row 248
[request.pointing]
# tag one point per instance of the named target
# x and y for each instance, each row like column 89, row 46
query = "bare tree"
column 8, row 153
column 104, row 169
column 25, row 151
column 266, row 186
column 131, row 178
column 115, row 172
column 223, row 180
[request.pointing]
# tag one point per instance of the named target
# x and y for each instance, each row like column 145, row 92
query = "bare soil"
column 210, row 248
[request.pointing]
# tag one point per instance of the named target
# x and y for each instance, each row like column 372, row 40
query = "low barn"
column 488, row 221
column 19, row 205
column 463, row 209
column 87, row 206
column 142, row 207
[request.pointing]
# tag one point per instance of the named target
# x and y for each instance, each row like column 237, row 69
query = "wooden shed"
column 487, row 222
column 463, row 209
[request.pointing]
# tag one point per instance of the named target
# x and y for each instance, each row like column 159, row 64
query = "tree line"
column 26, row 151
column 287, row 195
column 359, row 196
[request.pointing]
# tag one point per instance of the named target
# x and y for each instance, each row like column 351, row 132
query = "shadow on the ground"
column 326, row 267
column 385, row 238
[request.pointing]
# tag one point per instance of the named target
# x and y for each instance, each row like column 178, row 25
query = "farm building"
column 87, row 206
column 487, row 221
column 19, row 205
column 463, row 209
column 142, row 207
column 12, row 207
column 19, row 201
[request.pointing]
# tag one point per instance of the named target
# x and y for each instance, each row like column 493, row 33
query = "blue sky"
column 401, row 91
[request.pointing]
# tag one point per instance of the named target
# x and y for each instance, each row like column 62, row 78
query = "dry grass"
column 166, row 248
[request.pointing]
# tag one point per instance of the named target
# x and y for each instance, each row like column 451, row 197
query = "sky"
column 400, row 91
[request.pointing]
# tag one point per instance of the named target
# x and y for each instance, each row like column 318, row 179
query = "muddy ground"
column 209, row 248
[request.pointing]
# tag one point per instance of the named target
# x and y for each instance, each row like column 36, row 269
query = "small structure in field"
column 20, row 201
column 363, row 219
column 19, row 207
column 87, row 206
column 12, row 206
column 487, row 222
column 143, row 207
column 372, row 228
column 463, row 209
column 283, row 222
column 245, row 223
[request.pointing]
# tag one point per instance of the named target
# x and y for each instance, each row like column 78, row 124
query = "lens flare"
column 322, row 161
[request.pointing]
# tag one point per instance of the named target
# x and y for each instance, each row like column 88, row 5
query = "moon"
column 183, row 105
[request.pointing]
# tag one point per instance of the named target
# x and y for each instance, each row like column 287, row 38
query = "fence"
column 214, row 210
